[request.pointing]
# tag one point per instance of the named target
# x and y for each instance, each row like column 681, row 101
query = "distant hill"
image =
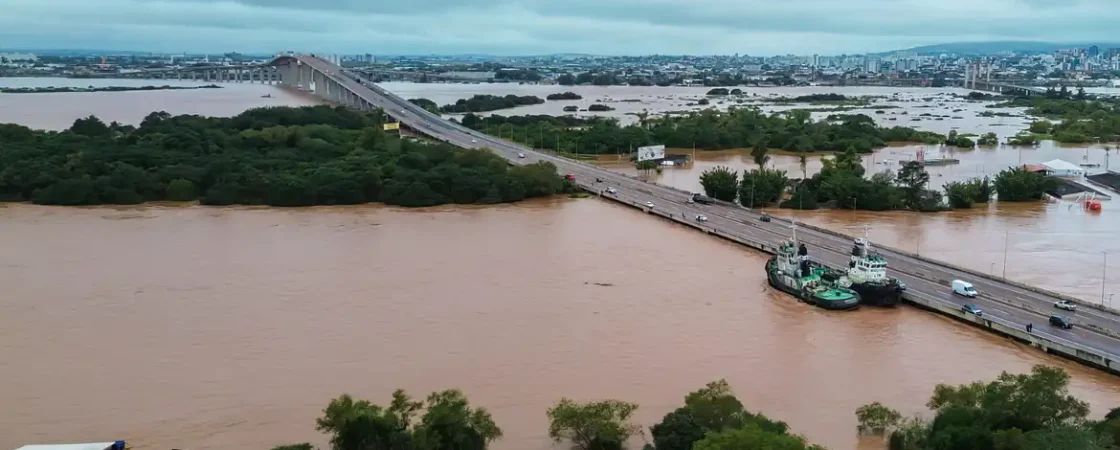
column 993, row 47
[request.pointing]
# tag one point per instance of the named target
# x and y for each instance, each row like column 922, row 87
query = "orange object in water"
column 1093, row 205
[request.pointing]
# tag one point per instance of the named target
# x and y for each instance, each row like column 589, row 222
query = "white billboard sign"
column 651, row 152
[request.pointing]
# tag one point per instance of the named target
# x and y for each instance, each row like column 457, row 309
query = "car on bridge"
column 520, row 155
column 570, row 177
column 764, row 217
column 1061, row 322
column 702, row 199
column 701, row 218
column 972, row 309
column 649, row 204
column 963, row 288
column 612, row 190
column 1066, row 305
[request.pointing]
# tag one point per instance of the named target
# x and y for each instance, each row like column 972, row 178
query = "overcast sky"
column 524, row 27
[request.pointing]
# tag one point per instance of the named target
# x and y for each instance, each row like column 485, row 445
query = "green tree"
column 713, row 408
column 912, row 177
column 1041, row 127
column 181, row 190
column 762, row 186
column 90, row 126
column 988, row 140
column 1017, row 184
column 961, row 194
column 591, row 425
column 720, row 183
column 760, row 152
column 449, row 423
column 874, row 418
column 753, row 438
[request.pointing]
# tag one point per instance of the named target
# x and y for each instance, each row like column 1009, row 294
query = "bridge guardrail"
column 944, row 307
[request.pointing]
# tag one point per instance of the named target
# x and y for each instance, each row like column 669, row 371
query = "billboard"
column 651, row 152
column 392, row 126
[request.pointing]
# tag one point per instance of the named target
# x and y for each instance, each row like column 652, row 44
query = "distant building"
column 871, row 65
column 1094, row 51
column 21, row 57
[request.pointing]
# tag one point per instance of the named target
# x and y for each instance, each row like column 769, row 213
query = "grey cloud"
column 545, row 26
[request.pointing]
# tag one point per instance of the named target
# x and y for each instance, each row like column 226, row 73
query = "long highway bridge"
column 1008, row 306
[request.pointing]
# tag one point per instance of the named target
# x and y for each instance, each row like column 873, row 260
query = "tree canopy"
column 714, row 418
column 447, row 423
column 720, row 183
column 598, row 425
column 708, row 129
column 1017, row 184
column 1014, row 412
column 270, row 156
column 486, row 102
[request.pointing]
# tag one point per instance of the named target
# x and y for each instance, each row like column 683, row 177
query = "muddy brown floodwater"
column 219, row 328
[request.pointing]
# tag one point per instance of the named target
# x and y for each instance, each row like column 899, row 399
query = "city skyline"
column 532, row 27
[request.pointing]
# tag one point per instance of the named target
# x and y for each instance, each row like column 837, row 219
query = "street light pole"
column 1104, row 274
column 1006, row 236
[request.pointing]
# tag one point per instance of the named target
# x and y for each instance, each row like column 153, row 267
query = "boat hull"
column 789, row 285
column 878, row 294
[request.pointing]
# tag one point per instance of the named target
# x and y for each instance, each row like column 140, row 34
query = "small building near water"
column 1063, row 169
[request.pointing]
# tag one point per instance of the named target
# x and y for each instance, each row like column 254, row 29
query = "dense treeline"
column 711, row 419
column 738, row 128
column 486, row 102
column 564, row 96
column 839, row 184
column 272, row 156
column 1014, row 412
column 1081, row 119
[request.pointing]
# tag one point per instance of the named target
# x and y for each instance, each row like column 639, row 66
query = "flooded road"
column 218, row 328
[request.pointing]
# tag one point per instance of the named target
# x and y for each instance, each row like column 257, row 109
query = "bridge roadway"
column 1013, row 304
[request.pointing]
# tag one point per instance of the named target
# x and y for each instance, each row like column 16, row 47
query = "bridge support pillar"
column 305, row 77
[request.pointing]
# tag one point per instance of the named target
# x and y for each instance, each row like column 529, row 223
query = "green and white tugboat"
column 793, row 272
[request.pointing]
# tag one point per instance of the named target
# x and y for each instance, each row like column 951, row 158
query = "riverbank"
column 72, row 89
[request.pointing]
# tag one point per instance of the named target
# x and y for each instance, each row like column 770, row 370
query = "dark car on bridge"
column 1061, row 322
column 972, row 309
column 702, row 199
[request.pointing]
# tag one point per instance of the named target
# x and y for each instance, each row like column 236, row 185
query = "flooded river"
column 57, row 111
column 218, row 328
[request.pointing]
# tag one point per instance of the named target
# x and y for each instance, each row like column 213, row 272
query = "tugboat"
column 792, row 271
column 867, row 272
